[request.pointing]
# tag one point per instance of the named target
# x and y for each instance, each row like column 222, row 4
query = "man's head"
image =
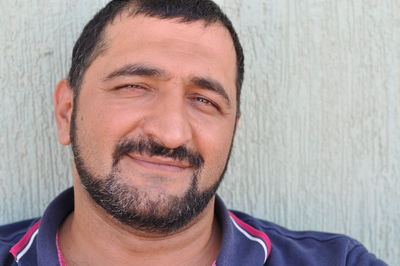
column 150, row 108
column 92, row 42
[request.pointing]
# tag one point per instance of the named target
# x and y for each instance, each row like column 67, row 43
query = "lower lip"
column 157, row 167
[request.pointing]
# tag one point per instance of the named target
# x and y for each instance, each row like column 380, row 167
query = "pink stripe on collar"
column 24, row 240
column 59, row 253
column 253, row 231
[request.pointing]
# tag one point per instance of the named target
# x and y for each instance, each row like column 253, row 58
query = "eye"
column 132, row 90
column 131, row 86
column 204, row 100
column 204, row 103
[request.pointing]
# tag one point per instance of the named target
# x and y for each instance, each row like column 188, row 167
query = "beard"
column 161, row 214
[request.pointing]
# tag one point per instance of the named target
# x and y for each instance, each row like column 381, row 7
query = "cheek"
column 91, row 142
column 100, row 126
column 214, row 144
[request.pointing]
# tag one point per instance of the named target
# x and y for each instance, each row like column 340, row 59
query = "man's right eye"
column 132, row 90
column 130, row 86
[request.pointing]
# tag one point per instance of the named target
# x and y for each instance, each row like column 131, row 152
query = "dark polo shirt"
column 245, row 241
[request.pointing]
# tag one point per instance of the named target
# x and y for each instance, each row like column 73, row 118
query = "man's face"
column 155, row 118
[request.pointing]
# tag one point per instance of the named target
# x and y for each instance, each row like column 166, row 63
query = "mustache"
column 149, row 147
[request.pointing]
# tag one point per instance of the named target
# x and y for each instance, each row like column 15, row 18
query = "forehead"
column 180, row 48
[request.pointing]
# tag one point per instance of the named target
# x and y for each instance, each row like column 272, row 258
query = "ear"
column 63, row 105
column 237, row 120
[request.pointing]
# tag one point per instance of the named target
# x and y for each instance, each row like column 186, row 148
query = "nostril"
column 171, row 131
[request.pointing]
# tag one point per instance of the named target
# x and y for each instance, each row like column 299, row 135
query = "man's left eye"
column 204, row 100
column 205, row 104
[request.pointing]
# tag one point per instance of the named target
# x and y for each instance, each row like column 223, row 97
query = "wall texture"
column 318, row 145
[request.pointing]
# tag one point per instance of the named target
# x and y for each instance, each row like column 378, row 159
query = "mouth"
column 162, row 164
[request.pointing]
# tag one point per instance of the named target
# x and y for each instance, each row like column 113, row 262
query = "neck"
column 90, row 236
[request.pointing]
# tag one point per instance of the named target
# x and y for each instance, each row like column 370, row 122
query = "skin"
column 171, row 109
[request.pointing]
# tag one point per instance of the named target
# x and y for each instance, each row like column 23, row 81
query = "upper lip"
column 161, row 160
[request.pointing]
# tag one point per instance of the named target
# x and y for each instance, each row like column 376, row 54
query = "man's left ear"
column 63, row 106
column 237, row 120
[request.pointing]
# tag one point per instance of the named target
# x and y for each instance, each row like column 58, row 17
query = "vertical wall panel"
column 318, row 145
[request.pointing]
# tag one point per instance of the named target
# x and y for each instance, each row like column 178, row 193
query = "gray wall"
column 319, row 142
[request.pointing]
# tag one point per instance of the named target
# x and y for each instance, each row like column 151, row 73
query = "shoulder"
column 309, row 247
column 10, row 234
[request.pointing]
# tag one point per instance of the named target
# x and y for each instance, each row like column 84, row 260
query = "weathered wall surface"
column 319, row 142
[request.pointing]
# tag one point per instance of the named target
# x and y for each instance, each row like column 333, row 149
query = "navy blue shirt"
column 245, row 241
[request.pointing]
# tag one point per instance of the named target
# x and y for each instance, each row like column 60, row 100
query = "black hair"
column 91, row 42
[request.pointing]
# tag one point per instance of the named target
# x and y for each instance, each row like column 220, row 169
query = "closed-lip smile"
column 159, row 163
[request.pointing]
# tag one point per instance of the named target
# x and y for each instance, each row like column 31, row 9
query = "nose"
column 168, row 123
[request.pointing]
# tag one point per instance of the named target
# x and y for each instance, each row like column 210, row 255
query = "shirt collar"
column 242, row 244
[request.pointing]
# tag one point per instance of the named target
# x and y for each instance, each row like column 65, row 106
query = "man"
column 150, row 108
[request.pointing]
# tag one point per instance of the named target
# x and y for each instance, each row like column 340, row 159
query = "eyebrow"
column 212, row 85
column 135, row 70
